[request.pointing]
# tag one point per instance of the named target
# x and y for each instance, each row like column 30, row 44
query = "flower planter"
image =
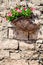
column 26, row 25
column 21, row 18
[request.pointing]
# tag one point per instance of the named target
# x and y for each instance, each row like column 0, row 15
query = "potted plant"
column 21, row 17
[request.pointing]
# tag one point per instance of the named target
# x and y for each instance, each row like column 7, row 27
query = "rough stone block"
column 15, row 56
column 0, row 35
column 41, row 17
column 9, row 44
column 37, row 47
column 4, row 34
column 26, row 54
column 4, row 54
column 37, row 2
column 29, row 54
column 35, row 55
column 41, row 46
column 14, row 62
column 25, row 46
column 40, row 36
column 40, row 33
column 41, row 56
column 1, row 62
column 10, row 33
column 33, row 62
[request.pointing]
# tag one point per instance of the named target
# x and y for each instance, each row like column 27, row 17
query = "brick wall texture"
column 15, row 48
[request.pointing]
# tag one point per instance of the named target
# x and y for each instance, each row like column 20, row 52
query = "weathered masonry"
column 14, row 51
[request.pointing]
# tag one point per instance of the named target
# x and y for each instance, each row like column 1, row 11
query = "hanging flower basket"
column 21, row 18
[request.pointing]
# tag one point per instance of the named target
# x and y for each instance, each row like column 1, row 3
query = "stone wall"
column 20, row 52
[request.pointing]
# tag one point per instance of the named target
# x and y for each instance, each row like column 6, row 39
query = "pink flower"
column 9, row 14
column 25, row 8
column 33, row 9
column 18, row 10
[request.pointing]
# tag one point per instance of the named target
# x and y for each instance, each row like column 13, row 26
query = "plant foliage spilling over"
column 18, row 12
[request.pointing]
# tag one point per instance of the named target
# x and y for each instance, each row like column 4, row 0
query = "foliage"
column 18, row 12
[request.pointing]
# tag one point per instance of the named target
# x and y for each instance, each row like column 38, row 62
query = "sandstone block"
column 41, row 17
column 40, row 33
column 41, row 56
column 29, row 54
column 26, row 54
column 9, row 44
column 25, row 46
column 4, row 54
column 10, row 33
column 14, row 62
column 37, row 2
column 33, row 62
column 35, row 55
column 39, row 46
column 15, row 56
